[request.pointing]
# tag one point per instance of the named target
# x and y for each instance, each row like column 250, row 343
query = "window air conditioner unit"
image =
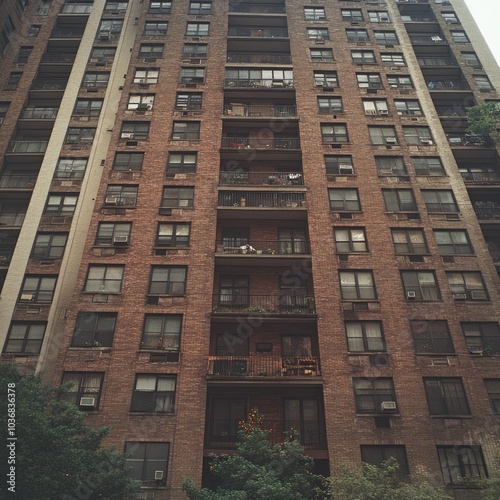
column 460, row 296
column 426, row 142
column 478, row 295
column 384, row 112
column 88, row 402
column 27, row 296
column 346, row 170
column 384, row 19
column 388, row 406
column 391, row 140
column 103, row 36
column 158, row 475
column 120, row 240
column 380, row 360
column 111, row 200
column 371, row 112
column 143, row 107
column 127, row 135
column 411, row 295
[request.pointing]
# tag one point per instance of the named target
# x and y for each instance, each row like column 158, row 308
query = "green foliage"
column 262, row 471
column 371, row 482
column 482, row 120
column 58, row 457
column 491, row 486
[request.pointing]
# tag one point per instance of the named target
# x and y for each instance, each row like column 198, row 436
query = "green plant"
column 254, row 309
column 482, row 120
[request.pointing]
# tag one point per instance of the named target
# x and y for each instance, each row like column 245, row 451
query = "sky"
column 487, row 15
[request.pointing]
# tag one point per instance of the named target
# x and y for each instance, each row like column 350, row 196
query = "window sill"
column 151, row 413
column 378, row 414
column 95, row 348
column 452, row 417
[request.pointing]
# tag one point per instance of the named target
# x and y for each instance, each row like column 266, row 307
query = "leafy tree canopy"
column 482, row 120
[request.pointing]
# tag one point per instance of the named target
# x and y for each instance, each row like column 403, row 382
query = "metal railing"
column 484, row 176
column 66, row 33
column 437, row 61
column 27, row 146
column 429, row 39
column 487, row 210
column 10, row 219
column 283, row 303
column 257, row 8
column 258, row 110
column 76, row 8
column 40, row 113
column 261, row 178
column 49, row 84
column 451, row 111
column 248, row 199
column 458, row 139
column 266, row 247
column 17, row 181
column 414, row 18
column 257, row 83
column 447, row 85
column 257, row 143
column 260, row 58
column 6, row 256
column 58, row 58
column 258, row 32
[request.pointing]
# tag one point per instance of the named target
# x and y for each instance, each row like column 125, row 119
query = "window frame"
column 167, row 337
column 372, row 395
column 97, row 329
column 48, row 248
column 468, row 285
column 431, row 336
column 30, row 342
column 458, row 458
column 411, row 247
column 441, row 401
column 352, row 242
column 314, row 13
column 363, row 57
column 177, row 240
column 182, row 166
column 477, row 337
column 147, row 401
column 186, row 131
column 449, row 233
column 161, row 282
column 338, row 134
column 421, row 288
column 439, row 203
column 83, row 390
column 370, row 343
column 182, row 203
column 104, row 281
column 353, row 290
column 142, row 448
column 350, row 200
column 115, row 229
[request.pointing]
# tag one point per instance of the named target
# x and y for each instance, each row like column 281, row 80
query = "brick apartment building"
column 213, row 206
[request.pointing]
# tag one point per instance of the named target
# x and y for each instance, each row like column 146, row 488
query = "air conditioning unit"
column 143, row 107
column 346, row 170
column 426, row 142
column 103, row 36
column 380, row 360
column 371, row 112
column 388, row 406
column 383, row 112
column 478, row 295
column 158, row 475
column 127, row 135
column 120, row 240
column 411, row 295
column 111, row 200
column 27, row 296
column 88, row 402
column 460, row 296
column 391, row 140
column 384, row 20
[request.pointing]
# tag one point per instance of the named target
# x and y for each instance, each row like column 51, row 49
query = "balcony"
column 66, row 33
column 251, row 32
column 487, row 210
column 28, row 146
column 260, row 58
column 257, row 143
column 49, row 84
column 40, row 113
column 5, row 255
column 418, row 18
column 432, row 62
column 278, row 304
column 479, row 175
column 451, row 111
column 260, row 111
column 458, row 139
column 18, row 181
column 76, row 8
column 448, row 85
column 11, row 219
column 260, row 8
column 230, row 83
column 261, row 178
column 62, row 58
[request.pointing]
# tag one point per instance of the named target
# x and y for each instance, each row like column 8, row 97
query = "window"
column 234, row 290
column 186, row 131
column 344, row 200
column 399, row 82
column 162, row 331
column 94, row 329
column 168, row 280
column 326, row 78
column 24, row 337
column 84, row 389
column 195, row 51
column 34, row 29
column 146, row 76
column 177, row 197
column 330, row 105
column 181, row 163
column 229, row 344
column 152, row 28
column 70, row 168
column 420, row 285
column 113, row 233
column 141, row 102
column 13, row 81
column 399, row 200
column 135, row 130
column 104, row 279
column 303, row 415
column 61, row 204
column 110, row 28
column 43, row 7
column 350, row 240
column 446, row 396
column 174, row 234
column 370, row 393
column 88, row 107
column 377, row 454
column 151, row 50
column 357, row 35
column 318, row 33
column 102, row 54
column 352, row 15
column 154, row 394
column 128, row 161
column 192, row 75
column 390, row 165
column 200, row 8
column 450, row 17
column 459, row 36
column 321, row 55
column 379, row 17
column 467, row 285
column 23, row 55
column 409, row 108
column 440, row 201
column 225, row 418
column 115, row 6
column 122, row 196
column 339, row 165
column 363, row 57
column 21, row 6
column 4, row 106
column 147, row 461
column 431, row 337
column 314, row 13
column 160, row 7
column 409, row 242
column 471, row 59
column 382, row 135
column 453, row 242
column 427, row 165
column 418, row 136
column 331, row 133
column 364, row 336
column 493, row 389
column 392, row 59
column 483, row 82
column 49, row 245
column 99, row 80
column 482, row 337
column 197, row 29
column 188, row 101
column 375, row 107
column 386, row 38
column 369, row 81
column 461, row 463
column 357, row 285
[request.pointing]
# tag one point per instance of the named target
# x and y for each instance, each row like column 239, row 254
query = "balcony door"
column 292, row 241
column 234, row 290
column 303, row 415
column 225, row 417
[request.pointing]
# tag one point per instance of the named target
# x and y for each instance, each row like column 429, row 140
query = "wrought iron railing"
column 484, row 176
column 282, row 303
column 261, row 178
column 66, row 33
column 447, row 85
column 10, row 219
column 262, row 58
column 260, row 8
column 250, row 199
column 258, row 110
column 487, row 210
column 40, row 113
column 49, row 84
column 267, row 247
column 58, row 58
column 257, row 83
column 429, row 39
column 258, row 32
column 27, row 146
column 258, row 143
column 463, row 139
column 17, row 181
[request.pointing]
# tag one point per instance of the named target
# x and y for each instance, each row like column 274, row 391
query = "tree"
column 261, row 471
column 482, row 120
column 57, row 456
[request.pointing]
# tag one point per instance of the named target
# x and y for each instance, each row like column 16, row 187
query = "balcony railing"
column 451, row 111
column 258, row 32
column 249, row 199
column 6, row 256
column 260, row 58
column 487, row 210
column 40, row 113
column 27, row 146
column 58, row 58
column 258, row 83
column 257, row 8
column 267, row 247
column 436, row 61
column 261, row 178
column 9, row 219
column 222, row 433
column 427, row 40
column 494, row 250
column 18, row 181
column 415, row 18
column 448, row 85
column 247, row 143
column 480, row 176
column 66, row 33
column 49, row 84
column 458, row 139
column 255, row 110
column 263, row 366
column 283, row 303
column 76, row 8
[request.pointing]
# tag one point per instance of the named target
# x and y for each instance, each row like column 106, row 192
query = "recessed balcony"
column 428, row 39
column 240, row 110
column 61, row 58
column 487, row 210
column 462, row 139
column 49, row 83
column 28, row 146
column 18, row 181
column 285, row 303
column 447, row 85
column 256, row 32
column 260, row 143
column 256, row 8
column 260, row 178
column 259, row 58
column 40, row 113
column 66, row 33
